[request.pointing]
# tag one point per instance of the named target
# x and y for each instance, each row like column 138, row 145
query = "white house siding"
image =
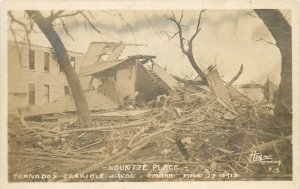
column 19, row 75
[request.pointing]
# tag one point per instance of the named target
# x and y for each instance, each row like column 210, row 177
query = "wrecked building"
column 34, row 76
column 107, row 80
column 133, row 79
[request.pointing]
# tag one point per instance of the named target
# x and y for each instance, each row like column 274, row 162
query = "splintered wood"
column 199, row 131
column 217, row 86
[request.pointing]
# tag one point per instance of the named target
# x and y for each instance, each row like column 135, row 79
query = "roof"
column 102, row 66
column 99, row 52
column 43, row 47
column 97, row 68
column 102, row 56
column 164, row 76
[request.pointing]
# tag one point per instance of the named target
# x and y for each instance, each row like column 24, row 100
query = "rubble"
column 208, row 129
column 141, row 114
column 95, row 100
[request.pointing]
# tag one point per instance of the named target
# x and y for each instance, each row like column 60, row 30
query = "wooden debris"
column 270, row 90
column 271, row 144
column 182, row 149
column 228, row 116
column 120, row 115
column 217, row 86
column 165, row 76
column 204, row 129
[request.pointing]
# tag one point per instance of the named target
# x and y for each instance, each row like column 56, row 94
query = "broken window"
column 67, row 90
column 107, row 52
column 72, row 61
column 46, row 93
column 31, row 59
column 105, row 57
column 46, row 61
column 31, row 94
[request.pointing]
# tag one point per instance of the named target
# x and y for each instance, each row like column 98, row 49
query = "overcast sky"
column 228, row 38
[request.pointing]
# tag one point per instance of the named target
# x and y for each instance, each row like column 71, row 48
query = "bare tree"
column 282, row 33
column 188, row 51
column 46, row 26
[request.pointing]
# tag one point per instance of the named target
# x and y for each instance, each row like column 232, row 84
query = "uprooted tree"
column 282, row 33
column 45, row 24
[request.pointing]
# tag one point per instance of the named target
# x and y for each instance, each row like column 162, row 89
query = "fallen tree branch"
column 235, row 77
column 108, row 128
column 189, row 82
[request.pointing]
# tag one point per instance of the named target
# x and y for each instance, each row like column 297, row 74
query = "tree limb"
column 189, row 82
column 172, row 36
column 235, row 77
column 90, row 23
column 54, row 16
column 59, row 15
column 198, row 28
column 66, row 29
column 265, row 41
column 189, row 52
column 23, row 25
column 181, row 39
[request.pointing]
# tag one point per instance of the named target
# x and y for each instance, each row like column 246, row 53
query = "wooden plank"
column 269, row 90
column 217, row 86
column 165, row 76
column 119, row 115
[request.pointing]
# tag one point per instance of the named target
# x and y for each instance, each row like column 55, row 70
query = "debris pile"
column 201, row 130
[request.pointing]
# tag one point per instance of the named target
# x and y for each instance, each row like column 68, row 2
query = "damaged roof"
column 102, row 56
column 104, row 65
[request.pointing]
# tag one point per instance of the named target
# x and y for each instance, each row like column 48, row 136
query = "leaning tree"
column 45, row 24
column 282, row 33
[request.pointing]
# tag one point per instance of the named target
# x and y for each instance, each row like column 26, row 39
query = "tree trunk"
column 282, row 33
column 194, row 64
column 46, row 27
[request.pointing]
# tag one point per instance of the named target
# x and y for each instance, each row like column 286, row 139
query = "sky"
column 228, row 39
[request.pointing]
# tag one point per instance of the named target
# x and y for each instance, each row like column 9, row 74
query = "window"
column 46, row 93
column 105, row 57
column 72, row 60
column 67, row 90
column 31, row 59
column 46, row 61
column 31, row 94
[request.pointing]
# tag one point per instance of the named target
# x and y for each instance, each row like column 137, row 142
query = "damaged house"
column 134, row 79
column 108, row 81
column 34, row 76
